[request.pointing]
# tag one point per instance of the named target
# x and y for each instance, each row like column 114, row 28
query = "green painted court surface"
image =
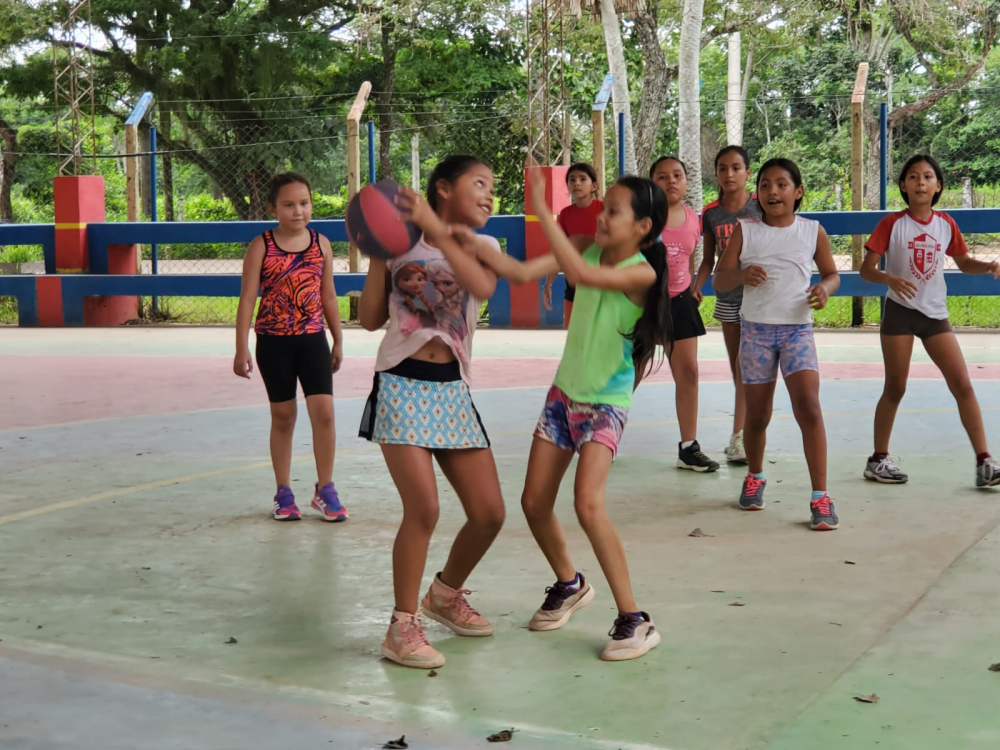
column 134, row 545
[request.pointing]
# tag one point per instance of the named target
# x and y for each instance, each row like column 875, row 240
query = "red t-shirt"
column 575, row 220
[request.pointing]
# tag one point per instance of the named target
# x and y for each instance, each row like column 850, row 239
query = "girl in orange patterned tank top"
column 292, row 267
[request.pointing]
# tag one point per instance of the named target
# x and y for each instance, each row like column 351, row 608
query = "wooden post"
column 858, row 181
column 597, row 121
column 132, row 196
column 354, row 171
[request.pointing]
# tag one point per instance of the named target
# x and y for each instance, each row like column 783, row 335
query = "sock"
column 574, row 584
column 817, row 494
column 758, row 475
column 687, row 444
column 981, row 457
column 879, row 456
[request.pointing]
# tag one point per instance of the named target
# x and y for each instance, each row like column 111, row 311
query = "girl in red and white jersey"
column 914, row 244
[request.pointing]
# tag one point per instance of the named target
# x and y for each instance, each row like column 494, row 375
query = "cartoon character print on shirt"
column 925, row 253
column 426, row 294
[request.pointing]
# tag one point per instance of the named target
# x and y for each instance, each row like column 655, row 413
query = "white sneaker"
column 736, row 453
column 631, row 637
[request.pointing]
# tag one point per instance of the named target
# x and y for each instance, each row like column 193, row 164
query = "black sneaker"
column 692, row 458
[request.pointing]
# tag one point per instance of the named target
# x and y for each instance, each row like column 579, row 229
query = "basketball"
column 374, row 224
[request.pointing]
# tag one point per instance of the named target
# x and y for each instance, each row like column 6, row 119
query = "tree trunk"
column 689, row 96
column 168, row 168
column 145, row 173
column 619, row 89
column 8, row 167
column 655, row 84
column 383, row 101
column 735, row 105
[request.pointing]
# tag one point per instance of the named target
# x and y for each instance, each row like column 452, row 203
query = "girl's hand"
column 904, row 287
column 818, row 296
column 995, row 269
column 413, row 207
column 337, row 354
column 536, row 180
column 243, row 363
column 547, row 295
column 697, row 296
column 754, row 276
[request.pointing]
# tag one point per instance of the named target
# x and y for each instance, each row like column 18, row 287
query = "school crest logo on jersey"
column 924, row 254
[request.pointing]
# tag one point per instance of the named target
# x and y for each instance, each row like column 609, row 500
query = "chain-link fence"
column 214, row 161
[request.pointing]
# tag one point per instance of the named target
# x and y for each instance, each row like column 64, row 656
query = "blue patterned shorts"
column 432, row 410
column 765, row 346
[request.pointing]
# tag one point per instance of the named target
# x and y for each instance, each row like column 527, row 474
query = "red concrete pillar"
column 525, row 300
column 79, row 201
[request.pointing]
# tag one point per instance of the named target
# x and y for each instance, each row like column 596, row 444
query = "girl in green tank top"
column 621, row 315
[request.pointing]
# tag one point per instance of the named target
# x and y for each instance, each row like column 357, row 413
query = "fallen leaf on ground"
column 432, row 673
column 873, row 698
column 396, row 744
column 839, row 625
column 503, row 736
column 849, row 562
column 699, row 532
column 737, row 604
column 995, row 667
column 232, row 640
column 718, row 592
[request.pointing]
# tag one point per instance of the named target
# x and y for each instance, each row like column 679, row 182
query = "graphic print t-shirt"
column 427, row 302
column 914, row 250
column 680, row 243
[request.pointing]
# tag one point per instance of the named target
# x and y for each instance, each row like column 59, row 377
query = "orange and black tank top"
column 291, row 300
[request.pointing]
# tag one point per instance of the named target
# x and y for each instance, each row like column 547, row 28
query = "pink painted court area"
column 136, row 545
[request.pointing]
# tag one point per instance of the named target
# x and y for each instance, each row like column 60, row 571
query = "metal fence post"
column 153, row 212
column 371, row 151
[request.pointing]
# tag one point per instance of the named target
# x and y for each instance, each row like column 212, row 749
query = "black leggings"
column 285, row 360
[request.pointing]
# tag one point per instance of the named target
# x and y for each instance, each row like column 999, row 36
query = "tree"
column 689, row 97
column 8, row 166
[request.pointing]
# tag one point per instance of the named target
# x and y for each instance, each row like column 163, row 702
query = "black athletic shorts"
column 284, row 361
column 687, row 320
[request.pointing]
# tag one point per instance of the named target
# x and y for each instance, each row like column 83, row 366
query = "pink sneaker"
column 449, row 607
column 406, row 644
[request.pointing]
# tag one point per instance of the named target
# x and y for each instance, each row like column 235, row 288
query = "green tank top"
column 596, row 366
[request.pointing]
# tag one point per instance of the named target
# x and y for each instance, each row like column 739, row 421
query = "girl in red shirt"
column 579, row 222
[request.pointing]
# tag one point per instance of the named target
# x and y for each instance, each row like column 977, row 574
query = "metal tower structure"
column 549, row 133
column 73, row 73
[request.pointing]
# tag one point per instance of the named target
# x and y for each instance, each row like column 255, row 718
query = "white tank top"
column 787, row 254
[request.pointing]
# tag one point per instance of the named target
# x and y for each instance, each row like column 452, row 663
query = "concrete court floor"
column 134, row 542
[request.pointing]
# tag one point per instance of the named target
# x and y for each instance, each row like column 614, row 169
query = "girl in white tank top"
column 773, row 258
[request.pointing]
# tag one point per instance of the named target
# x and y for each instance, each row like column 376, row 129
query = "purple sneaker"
column 328, row 504
column 284, row 506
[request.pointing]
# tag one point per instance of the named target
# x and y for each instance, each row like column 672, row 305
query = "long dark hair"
column 279, row 181
column 655, row 327
column 793, row 171
column 583, row 168
column 450, row 169
column 732, row 149
column 658, row 162
column 912, row 162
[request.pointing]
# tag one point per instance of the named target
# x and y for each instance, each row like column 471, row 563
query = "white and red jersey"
column 914, row 250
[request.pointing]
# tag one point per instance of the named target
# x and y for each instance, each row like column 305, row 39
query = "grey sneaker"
column 988, row 473
column 884, row 470
column 752, row 497
column 560, row 603
column 631, row 637
column 692, row 458
column 736, row 453
column 824, row 516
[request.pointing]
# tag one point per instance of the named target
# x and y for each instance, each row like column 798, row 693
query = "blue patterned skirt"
column 423, row 404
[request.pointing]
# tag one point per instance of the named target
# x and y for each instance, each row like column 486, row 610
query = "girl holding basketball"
column 292, row 267
column 579, row 222
column 773, row 258
column 622, row 314
column 914, row 244
column 680, row 238
column 420, row 408
column 719, row 220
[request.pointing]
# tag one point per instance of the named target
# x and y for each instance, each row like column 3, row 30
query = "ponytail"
column 655, row 327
